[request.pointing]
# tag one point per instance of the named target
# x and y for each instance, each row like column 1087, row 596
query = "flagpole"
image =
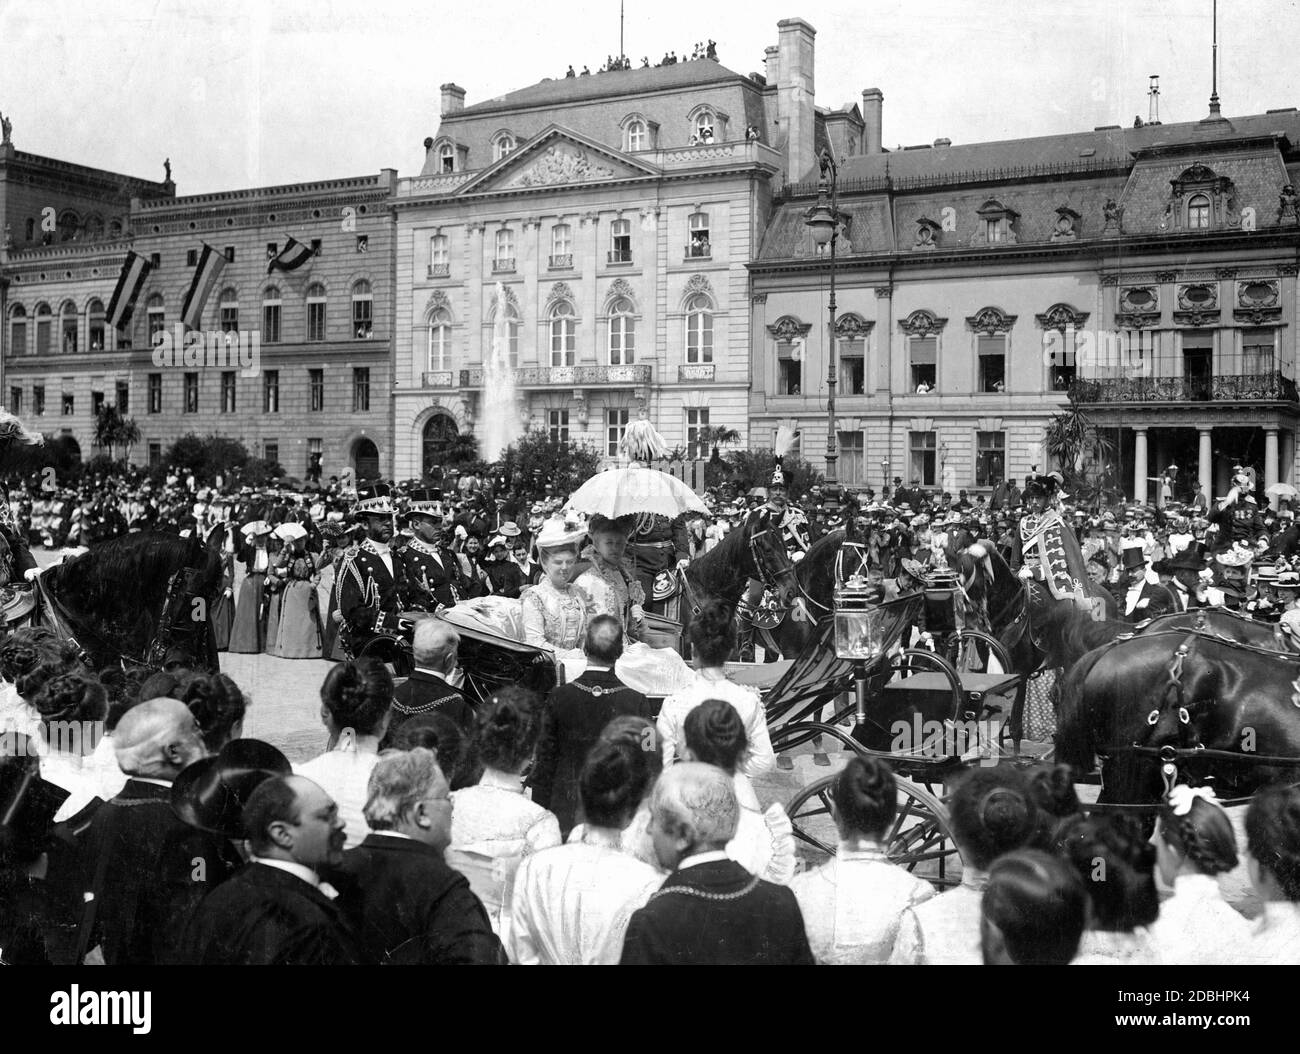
column 621, row 52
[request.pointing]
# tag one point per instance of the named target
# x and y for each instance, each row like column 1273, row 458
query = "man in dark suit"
column 277, row 911
column 1138, row 599
column 575, row 715
column 710, row 910
column 143, row 870
column 435, row 574
column 406, row 906
column 427, row 689
column 372, row 585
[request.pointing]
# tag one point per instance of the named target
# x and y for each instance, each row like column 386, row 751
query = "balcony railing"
column 699, row 251
column 620, row 256
column 439, row 270
column 503, row 264
column 439, row 379
column 695, row 371
column 561, row 262
column 1244, row 387
column 566, row 376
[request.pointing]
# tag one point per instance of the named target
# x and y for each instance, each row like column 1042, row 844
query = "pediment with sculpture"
column 555, row 159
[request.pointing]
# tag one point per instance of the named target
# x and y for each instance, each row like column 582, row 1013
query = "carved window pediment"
column 922, row 323
column 1062, row 317
column 788, row 328
column 851, row 326
column 698, row 284
column 996, row 225
column 1140, row 299
column 1199, row 200
column 1198, row 296
column 560, row 293
column 991, row 320
column 438, row 301
column 619, row 288
column 1257, row 293
column 512, row 304
column 1066, row 227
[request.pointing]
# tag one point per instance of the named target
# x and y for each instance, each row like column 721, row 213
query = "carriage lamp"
column 859, row 632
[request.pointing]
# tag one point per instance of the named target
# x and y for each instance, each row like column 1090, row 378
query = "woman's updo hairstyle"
column 1038, row 905
column 1273, row 835
column 218, row 706
column 1052, row 789
column 715, row 734
column 1204, row 835
column 508, row 727
column 866, row 797
column 31, row 656
column 358, row 695
column 123, row 688
column 614, row 779
column 72, row 696
column 442, row 735
column 713, row 633
column 1116, row 862
column 992, row 812
column 599, row 524
column 642, row 734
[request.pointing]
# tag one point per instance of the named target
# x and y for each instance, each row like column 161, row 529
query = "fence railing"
column 1246, row 387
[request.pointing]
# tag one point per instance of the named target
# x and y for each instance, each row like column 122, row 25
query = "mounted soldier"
column 793, row 525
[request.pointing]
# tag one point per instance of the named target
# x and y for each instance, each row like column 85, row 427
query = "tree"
column 753, row 468
column 209, row 456
column 1080, row 449
column 536, row 459
column 715, row 436
column 112, row 430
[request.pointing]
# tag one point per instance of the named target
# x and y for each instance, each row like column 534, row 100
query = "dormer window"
column 502, row 145
column 1198, row 213
column 446, row 158
column 1199, row 200
column 995, row 225
column 703, row 127
column 638, row 132
column 636, row 136
column 707, row 125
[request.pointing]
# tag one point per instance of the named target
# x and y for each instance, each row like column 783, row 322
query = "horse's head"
column 772, row 564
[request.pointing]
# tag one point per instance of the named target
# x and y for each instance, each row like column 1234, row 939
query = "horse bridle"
column 769, row 578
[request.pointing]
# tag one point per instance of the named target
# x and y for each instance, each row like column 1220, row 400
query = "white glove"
column 683, row 562
column 638, row 613
column 31, row 574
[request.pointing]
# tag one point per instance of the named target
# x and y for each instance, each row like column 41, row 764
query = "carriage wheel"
column 920, row 838
column 970, row 651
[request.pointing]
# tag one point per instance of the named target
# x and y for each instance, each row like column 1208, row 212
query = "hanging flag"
column 134, row 271
column 210, row 266
column 291, row 257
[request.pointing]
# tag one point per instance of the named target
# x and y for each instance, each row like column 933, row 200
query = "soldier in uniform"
column 436, row 577
column 657, row 544
column 793, row 525
column 372, row 585
column 1237, row 515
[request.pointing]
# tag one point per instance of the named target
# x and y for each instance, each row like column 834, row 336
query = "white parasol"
column 624, row 491
column 290, row 531
column 1281, row 490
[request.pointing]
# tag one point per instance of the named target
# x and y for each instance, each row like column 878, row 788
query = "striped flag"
column 291, row 257
column 206, row 273
column 134, row 271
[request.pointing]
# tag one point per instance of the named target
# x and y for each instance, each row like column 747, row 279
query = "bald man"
column 143, row 870
column 710, row 909
column 428, row 688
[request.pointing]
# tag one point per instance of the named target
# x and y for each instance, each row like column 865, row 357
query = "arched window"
column 157, row 315
column 228, row 311
column 95, row 227
column 637, row 139
column 18, row 330
column 1198, row 213
column 512, row 333
column 44, row 328
column 96, row 325
column 703, row 127
column 271, row 305
column 68, row 327
column 699, row 329
column 563, row 334
column 315, row 311
column 447, row 158
column 363, row 310
column 439, row 341
column 622, row 332
column 439, row 436
column 502, row 145
column 115, row 228
column 69, row 226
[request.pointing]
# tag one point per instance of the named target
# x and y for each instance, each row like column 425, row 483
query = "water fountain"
column 501, row 423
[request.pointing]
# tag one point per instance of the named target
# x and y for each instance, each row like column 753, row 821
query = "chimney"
column 795, row 93
column 453, row 99
column 772, row 63
column 873, row 100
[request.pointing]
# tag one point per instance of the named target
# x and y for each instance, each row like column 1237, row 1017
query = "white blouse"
column 759, row 759
column 1275, row 940
column 344, row 774
column 1197, row 927
column 1113, row 948
column 944, row 930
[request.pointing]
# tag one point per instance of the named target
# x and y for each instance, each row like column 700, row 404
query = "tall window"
column 620, row 249
column 502, row 147
column 637, row 136
column 615, row 429
column 360, row 389
column 363, row 311
column 155, row 453
column 315, row 311
column 512, row 335
column 557, row 422
column 1198, row 213
column 993, row 231
column 697, row 423
column 97, row 396
column 789, row 367
column 1063, row 365
column 157, row 315
column 447, row 158
column 439, row 340
column 699, row 329
column 622, row 332
column 18, row 330
column 924, row 355
column 44, row 328
column 68, row 327
column 561, row 245
column 271, row 304
column 69, row 397
column 316, row 389
column 990, row 458
column 191, row 393
column 853, row 457
column 922, row 451
column 15, row 400
column 992, row 353
column 439, row 256
column 96, row 325
column 123, row 395
column 1257, row 351
column 703, row 128
column 38, row 400
column 698, row 235
column 271, row 392
column 853, row 367
column 271, row 450
column 228, row 311
column 154, row 394
column 563, row 334
column 504, row 260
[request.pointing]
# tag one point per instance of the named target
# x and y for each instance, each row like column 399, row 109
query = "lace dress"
column 944, row 930
column 1197, row 927
column 555, row 618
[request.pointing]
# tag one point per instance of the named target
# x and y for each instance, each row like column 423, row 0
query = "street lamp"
column 823, row 220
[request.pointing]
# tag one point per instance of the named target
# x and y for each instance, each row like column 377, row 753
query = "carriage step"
column 785, row 763
column 822, row 758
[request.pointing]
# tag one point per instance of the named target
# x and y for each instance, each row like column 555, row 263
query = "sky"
column 245, row 93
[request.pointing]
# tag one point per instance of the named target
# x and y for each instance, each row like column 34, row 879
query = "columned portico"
column 1140, row 465
column 1270, row 462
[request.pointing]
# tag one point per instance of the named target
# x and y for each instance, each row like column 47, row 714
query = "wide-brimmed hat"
column 560, row 534
column 510, row 529
column 1190, row 559
column 211, row 793
column 1237, row 556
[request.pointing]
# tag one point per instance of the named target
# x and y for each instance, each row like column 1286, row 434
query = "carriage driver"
column 372, row 589
column 435, row 575
column 793, row 525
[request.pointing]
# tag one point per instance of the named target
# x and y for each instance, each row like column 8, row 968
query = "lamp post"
column 823, row 220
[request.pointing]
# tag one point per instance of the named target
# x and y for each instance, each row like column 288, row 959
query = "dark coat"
column 761, row 927
column 1154, row 600
column 572, row 722
column 370, row 597
column 407, row 907
column 504, row 577
column 435, row 579
column 423, row 693
column 264, row 916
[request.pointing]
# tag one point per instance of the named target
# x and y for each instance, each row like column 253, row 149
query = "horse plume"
column 785, row 440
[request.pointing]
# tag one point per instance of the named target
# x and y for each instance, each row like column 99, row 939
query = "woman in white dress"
column 713, row 639
column 571, row 904
column 1194, row 842
column 992, row 812
column 641, row 734
column 1273, row 841
column 494, row 824
column 1033, row 911
column 608, row 581
column 555, row 611
column 1116, row 863
column 764, row 841
column 852, row 906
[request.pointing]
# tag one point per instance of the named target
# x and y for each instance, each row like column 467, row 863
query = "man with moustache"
column 372, row 584
column 277, row 911
column 431, row 568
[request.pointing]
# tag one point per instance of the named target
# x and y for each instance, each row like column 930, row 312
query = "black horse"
column 139, row 600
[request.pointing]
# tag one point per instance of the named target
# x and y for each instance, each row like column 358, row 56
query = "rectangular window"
column 96, row 333
column 271, row 450
column 622, row 340
column 505, row 251
column 18, row 338
column 363, row 322
column 698, row 245
column 992, row 352
column 228, row 391
column 615, row 428
column 315, row 246
column 993, row 231
column 1062, row 366
column 96, row 401
column 1257, row 351
column 155, row 393
column 191, row 393
column 363, row 243
column 789, row 365
column 316, row 385
column 70, row 335
column 924, row 356
column 69, row 401
column 923, row 450
column 191, row 257
column 990, row 458
column 853, row 367
column 123, row 339
column 314, row 446
column 122, row 393
column 361, row 389
column 699, row 333
column 272, row 250
column 155, row 260
column 271, row 392
column 229, row 318
column 155, row 454
column 271, row 321
column 853, row 457
column 620, row 241
column 697, row 422
column 43, row 331
column 439, row 259
column 1198, row 365
column 316, row 320
column 558, row 423
column 38, row 400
